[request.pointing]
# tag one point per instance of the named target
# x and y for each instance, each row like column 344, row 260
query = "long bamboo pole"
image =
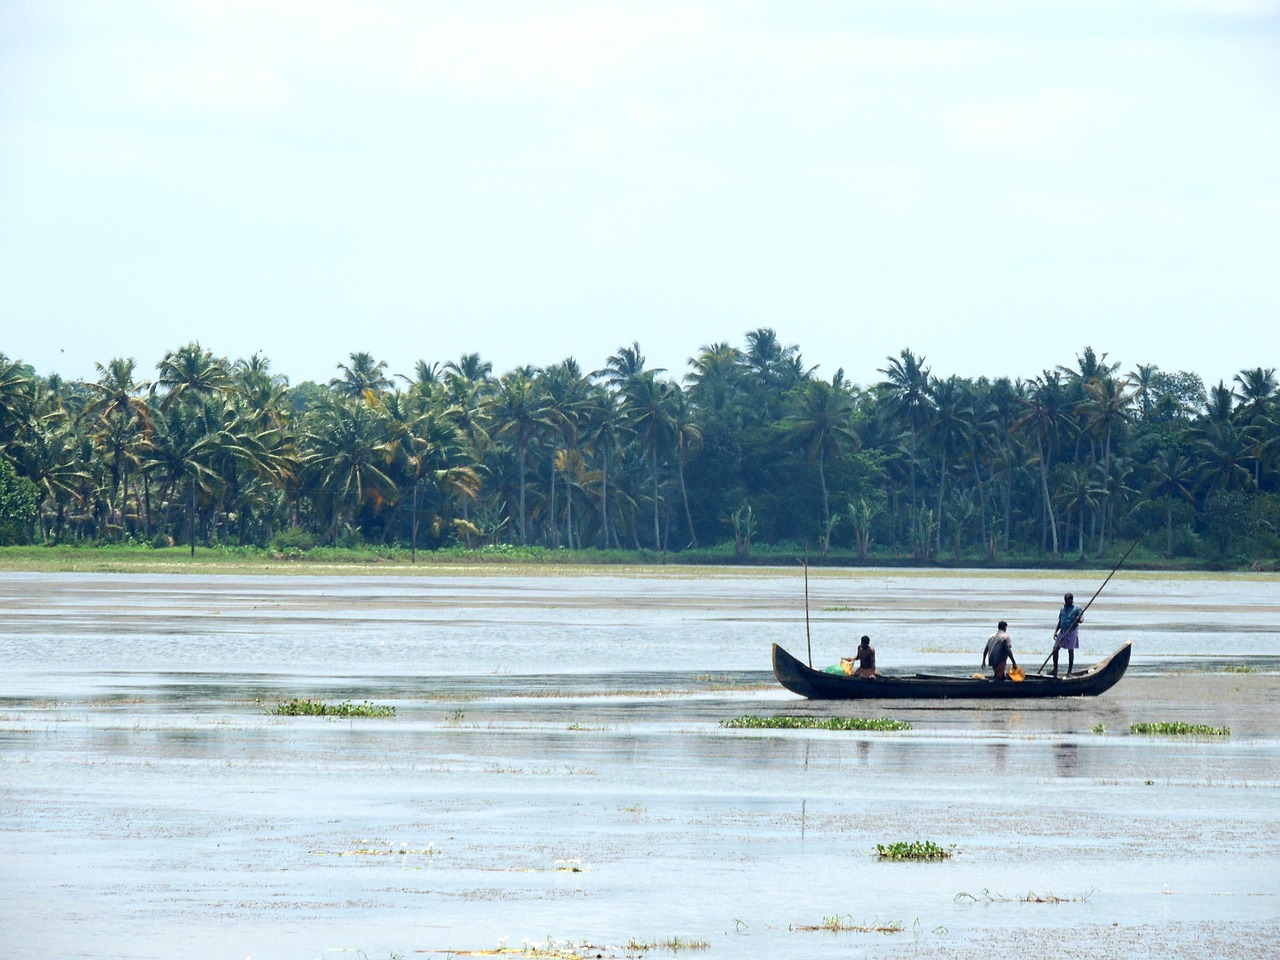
column 1059, row 634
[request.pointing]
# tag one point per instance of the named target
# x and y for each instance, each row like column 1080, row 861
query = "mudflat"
column 556, row 780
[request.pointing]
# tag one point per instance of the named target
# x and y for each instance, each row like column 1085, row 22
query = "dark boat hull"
column 817, row 685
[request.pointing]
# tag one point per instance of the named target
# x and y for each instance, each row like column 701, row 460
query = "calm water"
column 556, row 768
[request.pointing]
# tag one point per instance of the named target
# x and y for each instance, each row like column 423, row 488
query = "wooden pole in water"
column 807, row 637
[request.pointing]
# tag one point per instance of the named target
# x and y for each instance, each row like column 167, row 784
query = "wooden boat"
column 817, row 685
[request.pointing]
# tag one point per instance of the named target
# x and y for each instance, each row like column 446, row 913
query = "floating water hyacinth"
column 318, row 708
column 1178, row 728
column 813, row 723
column 914, row 850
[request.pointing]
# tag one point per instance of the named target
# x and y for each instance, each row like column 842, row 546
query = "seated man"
column 866, row 659
column 999, row 651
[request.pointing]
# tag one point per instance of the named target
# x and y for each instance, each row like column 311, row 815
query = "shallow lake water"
column 556, row 774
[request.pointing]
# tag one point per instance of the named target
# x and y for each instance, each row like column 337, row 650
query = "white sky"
column 992, row 183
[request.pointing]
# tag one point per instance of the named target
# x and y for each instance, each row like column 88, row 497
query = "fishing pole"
column 1057, row 637
column 807, row 637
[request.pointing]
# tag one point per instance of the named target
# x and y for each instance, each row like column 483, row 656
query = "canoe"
column 817, row 685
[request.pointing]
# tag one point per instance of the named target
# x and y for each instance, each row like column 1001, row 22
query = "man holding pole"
column 1067, row 636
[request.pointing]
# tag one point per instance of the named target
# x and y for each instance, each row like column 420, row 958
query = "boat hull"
column 817, row 685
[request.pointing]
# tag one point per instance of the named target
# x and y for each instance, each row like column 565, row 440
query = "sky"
column 992, row 184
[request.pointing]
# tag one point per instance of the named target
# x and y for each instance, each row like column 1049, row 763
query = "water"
column 556, row 768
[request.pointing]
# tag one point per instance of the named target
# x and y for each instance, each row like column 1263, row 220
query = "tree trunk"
column 657, row 536
column 684, row 494
column 826, row 503
column 1044, row 489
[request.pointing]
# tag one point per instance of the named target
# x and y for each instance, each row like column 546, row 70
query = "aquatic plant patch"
column 553, row 949
column 674, row 944
column 318, row 708
column 986, row 896
column 1177, row 728
column 913, row 850
column 813, row 723
column 846, row 924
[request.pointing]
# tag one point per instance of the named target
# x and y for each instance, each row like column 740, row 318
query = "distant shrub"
column 292, row 538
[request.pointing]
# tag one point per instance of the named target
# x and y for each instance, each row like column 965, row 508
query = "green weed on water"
column 913, row 850
column 813, row 723
column 318, row 708
column 1179, row 729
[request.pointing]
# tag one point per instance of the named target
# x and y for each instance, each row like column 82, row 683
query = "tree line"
column 748, row 449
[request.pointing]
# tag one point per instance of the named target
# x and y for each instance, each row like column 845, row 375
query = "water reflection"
column 1066, row 759
column 999, row 755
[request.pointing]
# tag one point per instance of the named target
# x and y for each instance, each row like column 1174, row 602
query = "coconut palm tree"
column 362, row 379
column 348, row 453
column 822, row 426
column 191, row 371
column 1043, row 411
column 1170, row 476
column 16, row 395
column 518, row 415
column 906, row 393
column 949, row 430
column 647, row 406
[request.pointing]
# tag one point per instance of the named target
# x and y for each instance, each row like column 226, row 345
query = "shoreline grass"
column 141, row 558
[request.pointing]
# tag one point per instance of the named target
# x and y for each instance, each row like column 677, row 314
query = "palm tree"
column 432, row 453
column 517, row 412
column 716, row 377
column 622, row 367
column 120, row 420
column 362, row 378
column 950, row 429
column 1042, row 415
column 647, row 406
column 1108, row 407
column 604, row 430
column 1258, row 397
column 688, row 440
column 53, row 457
column 563, row 389
column 1170, row 476
column 907, row 398
column 469, row 367
column 823, row 427
column 191, row 370
column 16, row 386
column 347, row 456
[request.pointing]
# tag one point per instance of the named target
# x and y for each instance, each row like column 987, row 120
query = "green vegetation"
column 843, row 924
column 674, row 944
column 1178, row 728
column 747, row 457
column 317, row 708
column 914, row 850
column 986, row 896
column 1238, row 668
column 813, row 723
column 1098, row 728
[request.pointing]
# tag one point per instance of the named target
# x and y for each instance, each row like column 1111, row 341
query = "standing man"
column 999, row 651
column 1066, row 637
